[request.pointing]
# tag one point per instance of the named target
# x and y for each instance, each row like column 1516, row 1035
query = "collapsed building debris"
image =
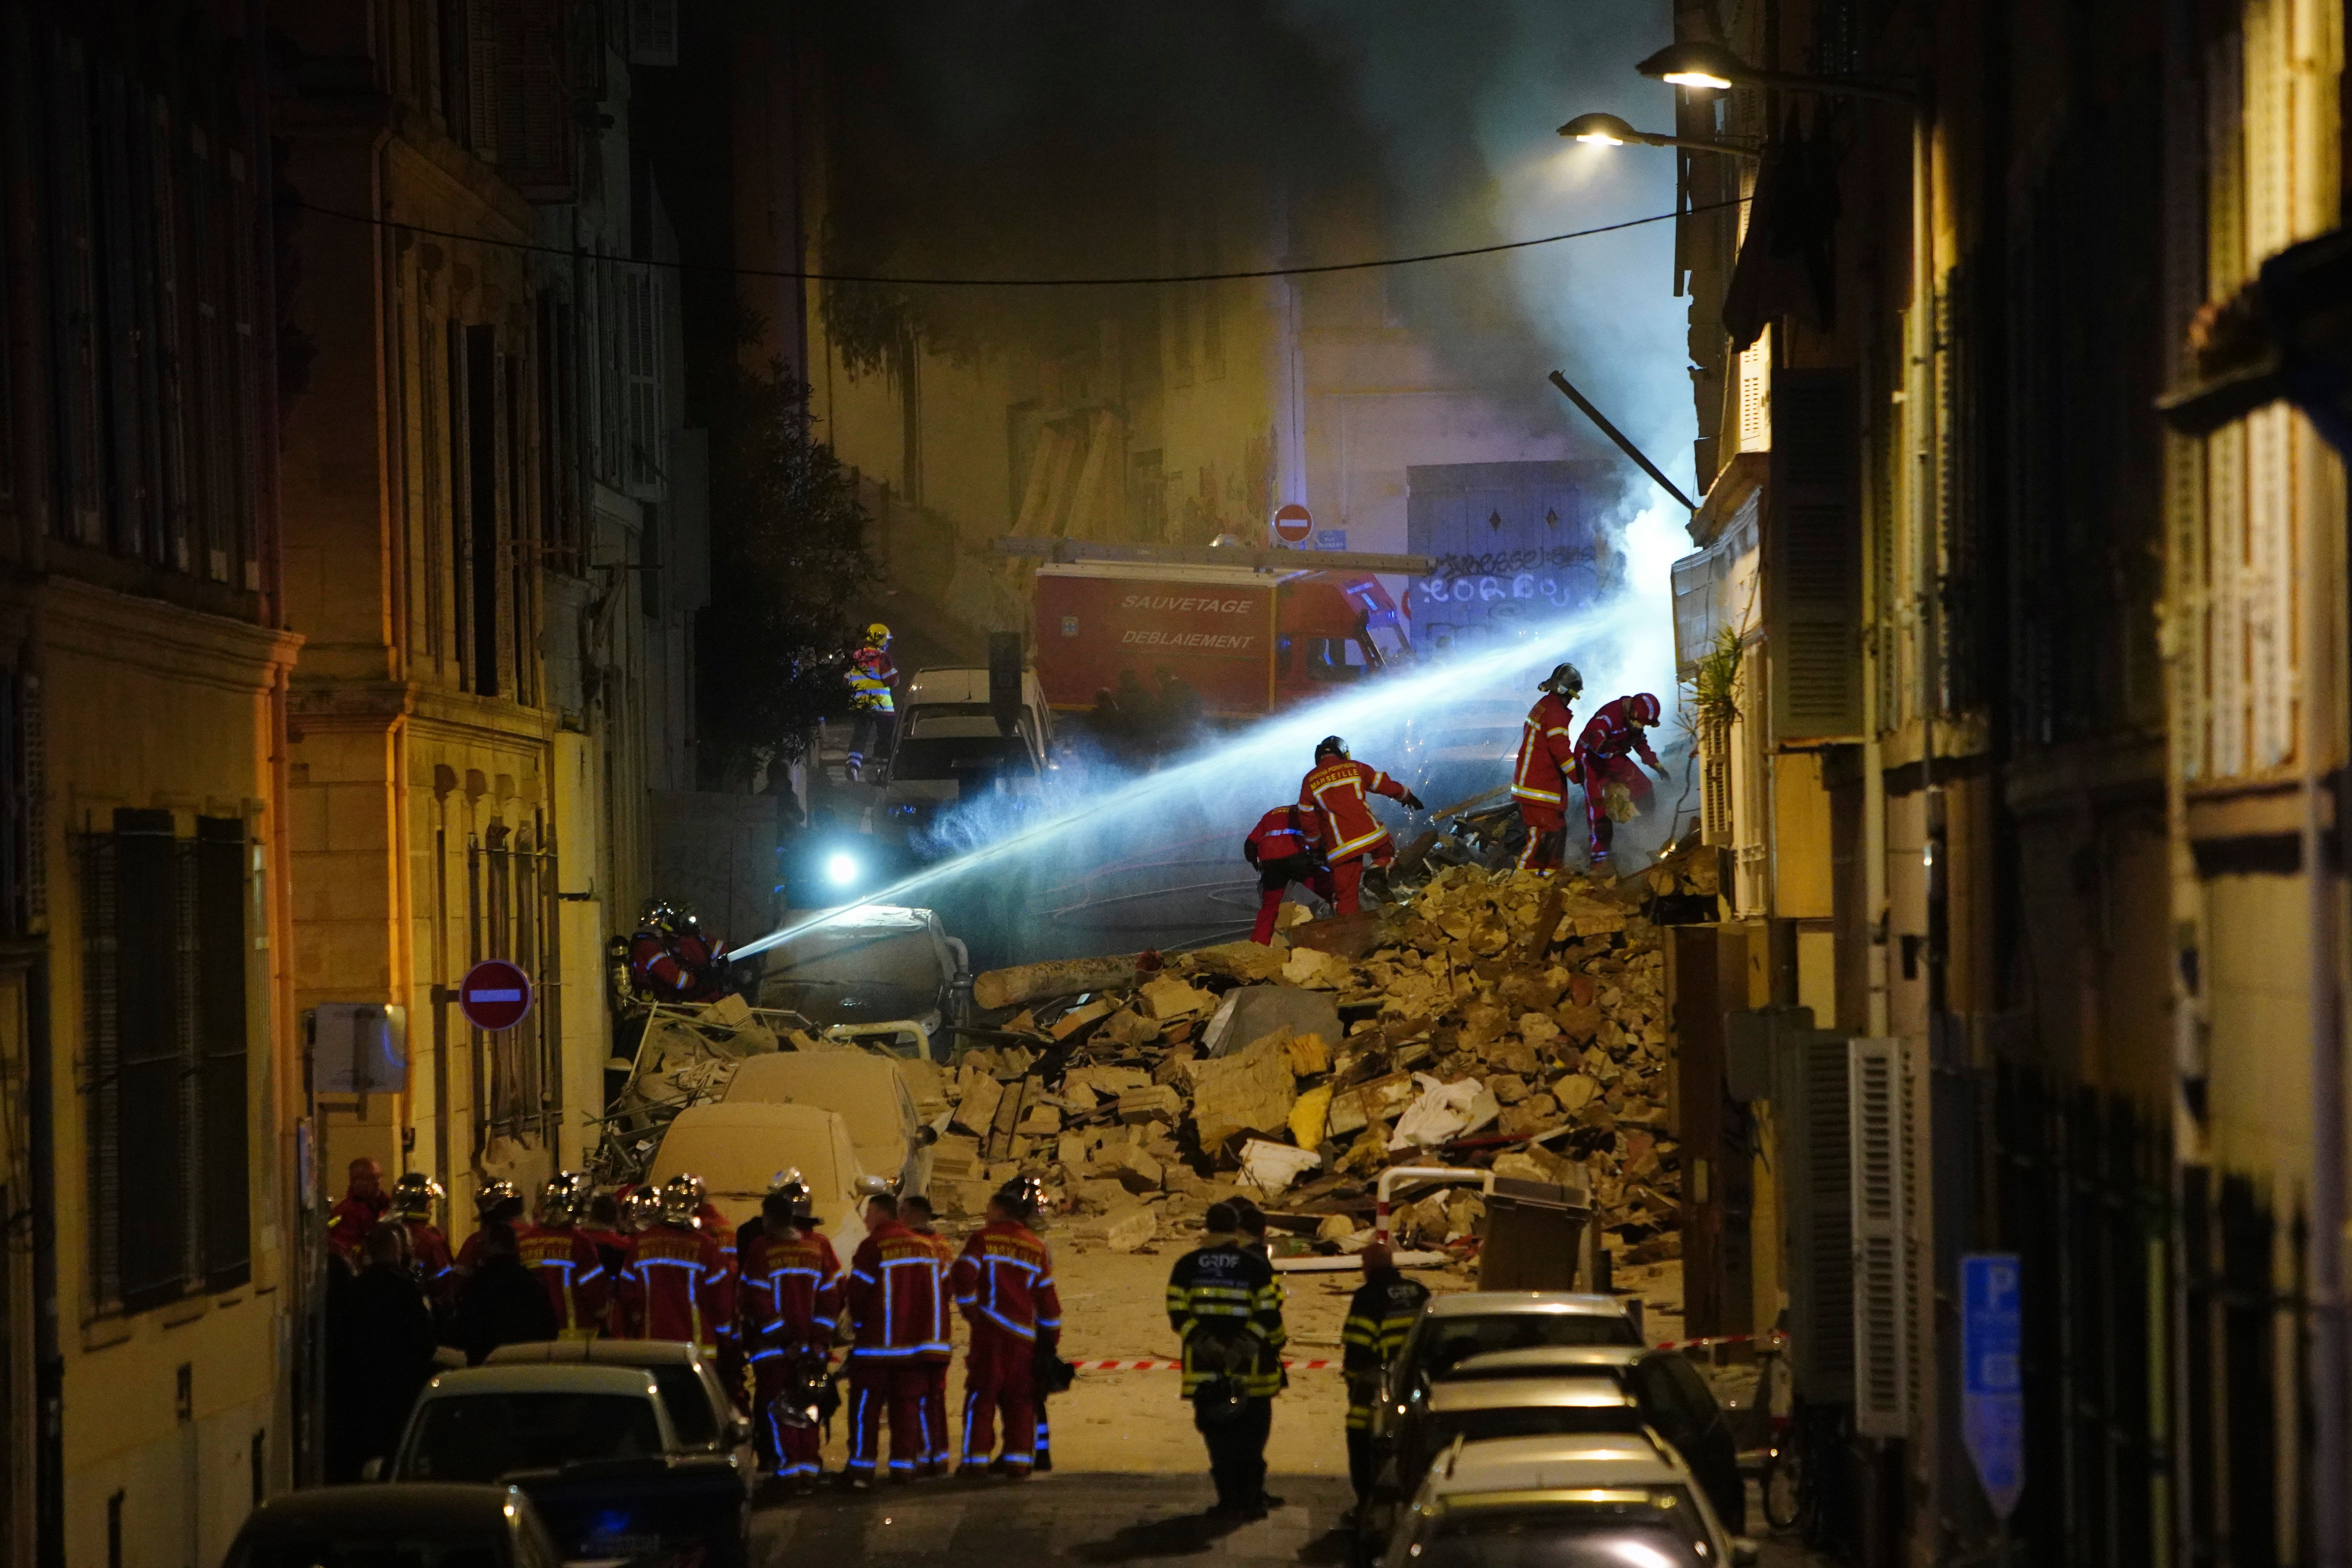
column 1499, row 1021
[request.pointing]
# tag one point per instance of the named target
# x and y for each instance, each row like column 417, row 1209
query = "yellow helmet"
column 877, row 632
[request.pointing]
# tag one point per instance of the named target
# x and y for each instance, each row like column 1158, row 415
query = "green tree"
column 788, row 561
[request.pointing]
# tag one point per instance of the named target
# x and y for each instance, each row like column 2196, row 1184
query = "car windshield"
column 1447, row 1341
column 1658, row 1529
column 322, row 1549
column 684, row 1396
column 961, row 756
column 482, row 1437
column 1539, row 1421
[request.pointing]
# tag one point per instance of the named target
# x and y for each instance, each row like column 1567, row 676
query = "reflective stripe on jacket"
column 1380, row 1315
column 1546, row 752
column 893, row 1293
column 1224, row 1297
column 566, row 1263
column 1340, row 788
column 790, row 1290
column 1005, row 1276
column 676, row 1285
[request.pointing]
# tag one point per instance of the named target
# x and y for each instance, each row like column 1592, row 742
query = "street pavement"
column 1096, row 1518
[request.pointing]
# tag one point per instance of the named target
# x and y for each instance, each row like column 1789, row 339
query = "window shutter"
column 1809, row 1101
column 222, row 904
column 653, row 32
column 152, row 1083
column 641, row 351
column 534, row 102
column 1878, row 1090
column 481, row 79
column 1812, row 567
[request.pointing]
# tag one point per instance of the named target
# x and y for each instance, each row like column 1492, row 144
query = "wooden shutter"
column 653, row 32
column 641, row 361
column 534, row 100
column 221, row 905
column 1876, row 1105
column 1813, row 559
column 152, row 1123
column 1809, row 1099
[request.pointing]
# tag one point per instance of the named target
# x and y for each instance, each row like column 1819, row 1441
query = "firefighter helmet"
column 681, row 1199
column 788, row 1189
column 640, row 1208
column 660, row 915
column 564, row 1198
column 1565, row 682
column 1020, row 1196
column 413, row 1196
column 876, row 634
column 1329, row 745
column 1641, row 707
column 494, row 1196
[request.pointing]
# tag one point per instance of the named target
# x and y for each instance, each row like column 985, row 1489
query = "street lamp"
column 1712, row 67
column 1608, row 130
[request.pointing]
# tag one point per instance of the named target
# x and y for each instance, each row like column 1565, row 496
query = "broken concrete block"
column 1250, row 1012
column 1131, row 1167
column 1128, row 1028
column 1317, row 970
column 1077, row 1018
column 1154, row 1101
column 1353, row 1110
column 1575, row 1091
column 1335, row 1228
column 1040, row 1121
column 1509, row 1088
column 1132, row 1229
column 976, row 1112
column 1107, row 1081
column 1238, row 1093
column 1168, row 998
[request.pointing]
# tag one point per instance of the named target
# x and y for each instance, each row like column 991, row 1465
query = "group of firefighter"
column 1330, row 841
column 765, row 1304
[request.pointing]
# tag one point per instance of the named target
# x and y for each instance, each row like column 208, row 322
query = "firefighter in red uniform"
column 357, row 1211
column 892, row 1297
column 1286, row 846
column 499, row 1203
column 790, row 1295
column 1602, row 755
column 671, row 960
column 674, row 1285
column 914, row 1212
column 1546, row 767
column 413, row 1197
column 1353, row 838
column 1005, row 1286
column 564, row 1259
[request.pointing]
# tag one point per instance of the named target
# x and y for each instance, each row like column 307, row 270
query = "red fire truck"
column 1251, row 639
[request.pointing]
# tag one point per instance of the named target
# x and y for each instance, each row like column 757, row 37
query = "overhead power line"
column 577, row 253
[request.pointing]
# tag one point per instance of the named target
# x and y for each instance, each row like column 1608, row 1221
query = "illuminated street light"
column 1608, row 130
column 1712, row 68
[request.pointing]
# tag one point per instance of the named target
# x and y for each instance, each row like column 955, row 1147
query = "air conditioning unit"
column 1842, row 1110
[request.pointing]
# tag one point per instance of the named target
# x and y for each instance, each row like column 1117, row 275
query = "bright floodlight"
column 1602, row 130
column 1696, row 64
column 840, row 870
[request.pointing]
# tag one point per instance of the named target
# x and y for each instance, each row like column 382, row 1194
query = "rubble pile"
column 1499, row 1020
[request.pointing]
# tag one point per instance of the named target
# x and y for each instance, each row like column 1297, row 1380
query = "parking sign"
column 1992, row 1385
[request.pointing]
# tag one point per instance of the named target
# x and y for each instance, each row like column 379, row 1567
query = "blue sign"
column 1330, row 538
column 1992, row 1387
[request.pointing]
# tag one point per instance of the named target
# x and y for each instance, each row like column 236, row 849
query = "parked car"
column 423, row 1525
column 593, row 1448
column 1597, row 1500
column 1562, row 1390
column 950, row 747
column 1479, row 1322
column 869, row 1090
column 738, row 1148
column 871, row 964
column 699, row 1411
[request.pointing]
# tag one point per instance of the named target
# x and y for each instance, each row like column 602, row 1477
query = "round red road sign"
column 1291, row 523
column 494, row 995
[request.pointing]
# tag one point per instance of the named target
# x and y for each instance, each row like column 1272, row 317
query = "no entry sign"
column 494, row 995
column 1291, row 523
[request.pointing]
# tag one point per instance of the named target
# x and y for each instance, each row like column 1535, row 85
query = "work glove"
column 1412, row 802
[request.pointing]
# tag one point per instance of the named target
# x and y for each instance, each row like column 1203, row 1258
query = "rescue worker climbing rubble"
column 564, row 1259
column 675, row 1284
column 872, row 676
column 1004, row 1287
column 790, row 1295
column 1353, row 841
column 1379, row 1316
column 1286, row 846
column 892, row 1297
column 1225, row 1305
column 1614, row 789
column 1546, row 766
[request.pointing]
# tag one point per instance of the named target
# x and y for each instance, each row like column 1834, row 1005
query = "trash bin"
column 1534, row 1233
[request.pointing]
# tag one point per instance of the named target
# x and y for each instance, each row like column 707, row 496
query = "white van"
column 868, row 1090
column 740, row 1148
column 950, row 745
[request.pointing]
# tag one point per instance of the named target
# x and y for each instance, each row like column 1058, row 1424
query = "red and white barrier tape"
column 1151, row 1364
column 1775, row 1337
